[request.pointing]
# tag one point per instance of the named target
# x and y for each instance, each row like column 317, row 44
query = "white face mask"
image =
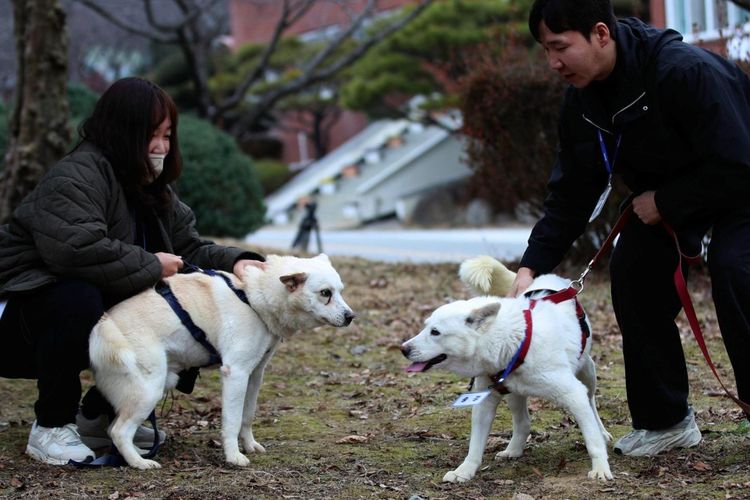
column 157, row 163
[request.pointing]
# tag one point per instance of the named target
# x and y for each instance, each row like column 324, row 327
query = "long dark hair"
column 122, row 125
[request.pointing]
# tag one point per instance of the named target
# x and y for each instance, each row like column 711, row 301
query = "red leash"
column 680, row 286
column 577, row 285
column 687, row 306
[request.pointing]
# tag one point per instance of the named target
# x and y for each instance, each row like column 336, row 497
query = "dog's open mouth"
column 423, row 366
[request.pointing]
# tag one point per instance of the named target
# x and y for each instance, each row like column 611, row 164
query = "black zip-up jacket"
column 684, row 116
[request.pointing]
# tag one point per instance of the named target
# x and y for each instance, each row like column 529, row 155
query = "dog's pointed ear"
column 323, row 257
column 293, row 281
column 480, row 316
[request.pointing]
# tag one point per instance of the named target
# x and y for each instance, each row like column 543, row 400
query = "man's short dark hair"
column 571, row 15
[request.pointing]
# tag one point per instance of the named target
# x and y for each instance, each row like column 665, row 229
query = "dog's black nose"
column 348, row 317
column 405, row 350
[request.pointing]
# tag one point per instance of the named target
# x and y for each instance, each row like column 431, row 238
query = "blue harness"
column 163, row 289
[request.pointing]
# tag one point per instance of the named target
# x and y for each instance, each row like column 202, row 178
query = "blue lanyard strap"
column 609, row 166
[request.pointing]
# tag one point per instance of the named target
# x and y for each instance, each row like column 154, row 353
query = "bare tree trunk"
column 38, row 126
column 324, row 120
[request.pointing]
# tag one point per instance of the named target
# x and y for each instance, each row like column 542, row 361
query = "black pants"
column 45, row 337
column 646, row 305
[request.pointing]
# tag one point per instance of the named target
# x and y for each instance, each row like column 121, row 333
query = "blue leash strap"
column 114, row 458
column 192, row 268
column 239, row 293
column 163, row 289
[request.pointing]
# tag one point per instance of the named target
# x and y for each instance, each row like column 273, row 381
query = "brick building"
column 709, row 23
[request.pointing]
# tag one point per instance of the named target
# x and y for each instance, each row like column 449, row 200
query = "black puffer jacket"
column 77, row 224
column 684, row 116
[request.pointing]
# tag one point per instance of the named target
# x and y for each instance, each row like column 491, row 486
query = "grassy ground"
column 340, row 419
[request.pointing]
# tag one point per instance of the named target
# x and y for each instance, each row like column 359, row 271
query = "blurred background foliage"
column 472, row 55
column 218, row 181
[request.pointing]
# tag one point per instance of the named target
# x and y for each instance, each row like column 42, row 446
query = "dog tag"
column 470, row 399
column 602, row 200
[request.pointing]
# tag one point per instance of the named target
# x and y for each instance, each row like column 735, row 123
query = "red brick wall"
column 658, row 13
column 348, row 124
column 254, row 21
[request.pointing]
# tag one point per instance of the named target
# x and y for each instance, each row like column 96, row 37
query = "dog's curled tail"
column 109, row 348
column 485, row 275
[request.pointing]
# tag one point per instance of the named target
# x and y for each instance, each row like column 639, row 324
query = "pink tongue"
column 416, row 367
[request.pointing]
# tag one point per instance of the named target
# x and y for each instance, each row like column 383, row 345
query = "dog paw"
column 145, row 464
column 253, row 447
column 455, row 476
column 602, row 473
column 239, row 460
column 607, row 436
column 507, row 454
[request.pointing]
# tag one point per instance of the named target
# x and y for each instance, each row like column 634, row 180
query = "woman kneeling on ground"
column 102, row 225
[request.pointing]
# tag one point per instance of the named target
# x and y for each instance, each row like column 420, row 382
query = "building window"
column 705, row 19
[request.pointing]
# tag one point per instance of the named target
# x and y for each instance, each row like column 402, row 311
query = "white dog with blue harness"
column 140, row 345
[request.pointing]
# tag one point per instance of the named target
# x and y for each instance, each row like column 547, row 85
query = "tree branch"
column 190, row 12
column 311, row 76
column 92, row 5
column 288, row 17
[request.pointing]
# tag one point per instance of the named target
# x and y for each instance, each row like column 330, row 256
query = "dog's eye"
column 435, row 332
column 326, row 293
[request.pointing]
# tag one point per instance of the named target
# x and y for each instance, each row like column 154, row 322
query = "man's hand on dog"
column 523, row 280
column 170, row 263
column 644, row 206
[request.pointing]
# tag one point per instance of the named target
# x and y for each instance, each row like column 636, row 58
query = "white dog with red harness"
column 537, row 345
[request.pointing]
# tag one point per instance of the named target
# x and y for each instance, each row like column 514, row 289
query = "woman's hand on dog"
column 523, row 280
column 239, row 267
column 170, row 263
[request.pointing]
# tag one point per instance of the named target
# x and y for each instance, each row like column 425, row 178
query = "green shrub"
column 81, row 100
column 218, row 181
column 272, row 174
column 510, row 106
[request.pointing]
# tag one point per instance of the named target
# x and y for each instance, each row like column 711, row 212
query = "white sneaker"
column 640, row 442
column 57, row 445
column 94, row 433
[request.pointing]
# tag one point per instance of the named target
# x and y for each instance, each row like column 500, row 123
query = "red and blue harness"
column 570, row 293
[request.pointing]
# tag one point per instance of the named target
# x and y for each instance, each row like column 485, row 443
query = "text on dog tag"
column 470, row 398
